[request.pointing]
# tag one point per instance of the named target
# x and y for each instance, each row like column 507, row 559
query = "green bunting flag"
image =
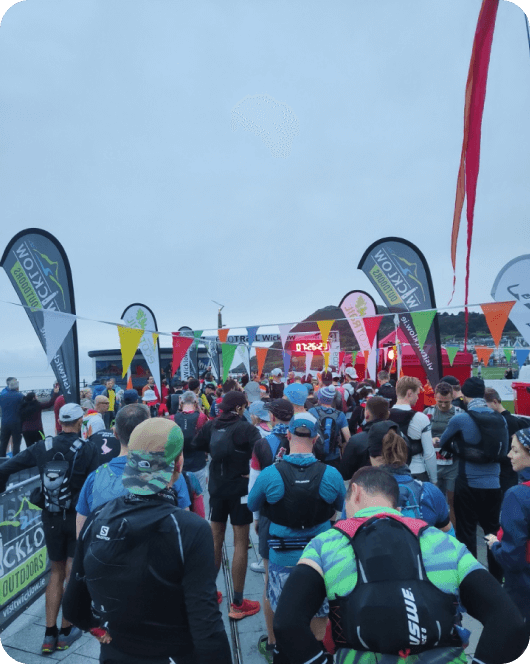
column 197, row 334
column 451, row 353
column 228, row 351
column 507, row 354
column 354, row 357
column 422, row 322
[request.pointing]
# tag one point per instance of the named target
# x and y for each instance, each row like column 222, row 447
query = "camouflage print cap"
column 153, row 447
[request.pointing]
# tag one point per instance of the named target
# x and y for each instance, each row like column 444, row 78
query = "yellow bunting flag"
column 325, row 327
column 223, row 334
column 129, row 342
column 326, row 359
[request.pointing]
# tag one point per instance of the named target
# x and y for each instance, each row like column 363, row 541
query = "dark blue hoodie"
column 10, row 401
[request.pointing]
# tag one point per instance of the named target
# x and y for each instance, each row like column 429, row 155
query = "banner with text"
column 39, row 271
column 400, row 273
column 355, row 305
column 513, row 283
column 142, row 318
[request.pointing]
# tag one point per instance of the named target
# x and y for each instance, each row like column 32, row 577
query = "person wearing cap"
column 299, row 495
column 458, row 397
column 129, row 397
column 260, row 418
column 477, row 490
column 324, row 412
column 355, row 454
column 230, row 439
column 171, row 611
column 277, row 385
column 511, row 546
column 58, row 527
column 330, row 566
column 297, row 394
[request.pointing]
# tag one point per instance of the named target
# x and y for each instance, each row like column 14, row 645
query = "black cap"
column 376, row 433
column 282, row 409
column 176, row 383
column 474, row 388
column 451, row 380
column 233, row 400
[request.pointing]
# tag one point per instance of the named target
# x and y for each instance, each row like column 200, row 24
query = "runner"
column 190, row 419
column 508, row 477
column 333, row 427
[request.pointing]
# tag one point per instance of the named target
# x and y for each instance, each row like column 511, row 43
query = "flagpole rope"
column 212, row 329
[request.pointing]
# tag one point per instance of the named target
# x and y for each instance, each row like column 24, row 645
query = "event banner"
column 188, row 366
column 513, row 283
column 24, row 565
column 38, row 268
column 400, row 273
column 355, row 305
column 140, row 317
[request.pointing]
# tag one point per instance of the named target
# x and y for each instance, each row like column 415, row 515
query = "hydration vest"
column 493, row 434
column 394, row 608
column 403, row 418
column 301, row 506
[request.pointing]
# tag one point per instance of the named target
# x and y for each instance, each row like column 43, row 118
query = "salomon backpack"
column 493, row 437
column 57, row 474
column 107, row 486
column 188, row 423
column 327, row 446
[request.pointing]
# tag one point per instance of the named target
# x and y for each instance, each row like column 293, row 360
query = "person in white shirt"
column 417, row 426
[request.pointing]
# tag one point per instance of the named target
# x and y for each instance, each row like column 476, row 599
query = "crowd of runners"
column 366, row 510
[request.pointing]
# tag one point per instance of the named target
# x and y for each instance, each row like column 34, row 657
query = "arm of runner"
column 22, row 460
column 510, row 553
column 301, row 598
column 503, row 637
column 429, row 454
column 200, row 596
column 256, row 496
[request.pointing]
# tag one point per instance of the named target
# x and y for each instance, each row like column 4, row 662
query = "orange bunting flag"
column 261, row 354
column 483, row 353
column 496, row 314
column 366, row 354
column 223, row 334
column 325, row 328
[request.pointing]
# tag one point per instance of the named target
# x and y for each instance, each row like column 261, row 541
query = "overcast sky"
column 249, row 152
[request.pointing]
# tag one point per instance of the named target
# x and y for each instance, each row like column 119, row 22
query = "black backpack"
column 327, row 445
column 493, row 436
column 221, row 443
column 188, row 423
column 403, row 418
column 394, row 608
column 55, row 493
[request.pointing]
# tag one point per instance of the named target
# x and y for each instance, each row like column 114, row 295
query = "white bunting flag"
column 56, row 326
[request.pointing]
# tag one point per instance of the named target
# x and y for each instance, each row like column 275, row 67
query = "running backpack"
column 403, row 418
column 493, row 435
column 326, row 448
column 277, row 441
column 56, row 476
column 410, row 494
column 188, row 423
column 107, row 486
column 394, row 608
column 221, row 444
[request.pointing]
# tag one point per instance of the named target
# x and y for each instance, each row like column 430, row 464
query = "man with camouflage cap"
column 143, row 575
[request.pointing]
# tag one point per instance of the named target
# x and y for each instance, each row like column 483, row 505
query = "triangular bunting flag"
column 521, row 354
column 342, row 355
column 129, row 380
column 496, row 314
column 180, row 348
column 129, row 342
column 483, row 353
column 422, row 321
column 308, row 360
column 284, row 331
column 366, row 354
column 223, row 334
column 286, row 361
column 261, row 356
column 197, row 335
column 507, row 354
column 354, row 357
column 325, row 328
column 228, row 351
column 326, row 359
column 56, row 327
column 371, row 326
column 244, row 354
column 252, row 331
column 451, row 353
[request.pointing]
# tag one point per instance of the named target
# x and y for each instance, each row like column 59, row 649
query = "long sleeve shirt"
column 420, row 429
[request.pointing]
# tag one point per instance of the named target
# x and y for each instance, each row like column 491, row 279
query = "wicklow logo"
column 397, row 279
column 37, row 278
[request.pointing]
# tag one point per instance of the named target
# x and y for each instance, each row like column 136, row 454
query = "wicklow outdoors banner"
column 513, row 283
column 38, row 268
column 355, row 305
column 188, row 366
column 400, row 273
column 140, row 317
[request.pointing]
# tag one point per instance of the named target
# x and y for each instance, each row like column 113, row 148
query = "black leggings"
column 32, row 437
column 6, row 432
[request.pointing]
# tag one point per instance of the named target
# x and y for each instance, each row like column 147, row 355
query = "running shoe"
column 49, row 644
column 64, row 642
column 219, row 597
column 248, row 608
column 258, row 567
column 263, row 650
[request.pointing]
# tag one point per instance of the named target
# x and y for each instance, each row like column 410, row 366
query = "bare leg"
column 218, row 532
column 240, row 560
column 54, row 592
column 318, row 627
column 269, row 613
column 69, row 562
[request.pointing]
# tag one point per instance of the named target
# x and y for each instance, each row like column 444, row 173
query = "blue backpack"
column 410, row 495
column 327, row 445
column 276, row 441
column 107, row 486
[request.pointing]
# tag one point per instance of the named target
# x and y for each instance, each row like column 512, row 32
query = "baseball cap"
column 296, row 393
column 70, row 412
column 149, row 395
column 258, row 410
column 474, row 388
column 276, row 372
column 376, row 434
column 451, row 380
column 281, row 408
column 350, row 371
column 130, row 396
column 304, row 425
column 326, row 395
column 153, row 447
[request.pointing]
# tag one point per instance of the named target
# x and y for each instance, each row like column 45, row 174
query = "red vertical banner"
column 180, row 348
